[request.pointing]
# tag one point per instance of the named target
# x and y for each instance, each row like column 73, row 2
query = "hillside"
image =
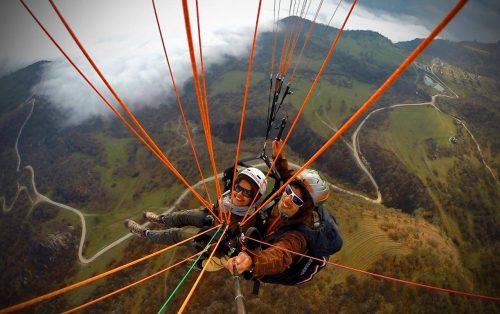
column 437, row 224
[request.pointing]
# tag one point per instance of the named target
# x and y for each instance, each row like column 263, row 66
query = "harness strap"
column 256, row 287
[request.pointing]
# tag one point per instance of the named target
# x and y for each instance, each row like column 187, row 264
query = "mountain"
column 475, row 57
column 15, row 87
column 434, row 161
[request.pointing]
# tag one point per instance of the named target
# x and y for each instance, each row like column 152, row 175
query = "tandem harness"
column 323, row 240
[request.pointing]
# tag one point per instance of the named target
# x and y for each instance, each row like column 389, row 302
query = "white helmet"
column 315, row 185
column 257, row 177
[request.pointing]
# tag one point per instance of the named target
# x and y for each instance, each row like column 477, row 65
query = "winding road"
column 40, row 198
column 355, row 147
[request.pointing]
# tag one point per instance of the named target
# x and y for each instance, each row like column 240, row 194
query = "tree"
column 343, row 106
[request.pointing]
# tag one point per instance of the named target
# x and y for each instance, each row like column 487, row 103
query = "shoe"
column 154, row 218
column 135, row 228
column 209, row 220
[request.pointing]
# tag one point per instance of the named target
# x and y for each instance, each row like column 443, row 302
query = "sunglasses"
column 295, row 198
column 238, row 188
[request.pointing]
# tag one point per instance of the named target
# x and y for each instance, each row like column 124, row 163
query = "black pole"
column 238, row 296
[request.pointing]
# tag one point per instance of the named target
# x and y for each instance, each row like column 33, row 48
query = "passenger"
column 249, row 182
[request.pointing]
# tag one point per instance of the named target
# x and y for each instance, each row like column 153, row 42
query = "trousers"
column 180, row 226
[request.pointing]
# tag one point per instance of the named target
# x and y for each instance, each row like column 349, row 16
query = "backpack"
column 322, row 241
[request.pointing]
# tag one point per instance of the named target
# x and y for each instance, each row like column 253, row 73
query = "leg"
column 170, row 236
column 198, row 217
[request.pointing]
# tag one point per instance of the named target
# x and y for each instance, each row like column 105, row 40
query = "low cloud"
column 395, row 27
column 137, row 69
column 478, row 20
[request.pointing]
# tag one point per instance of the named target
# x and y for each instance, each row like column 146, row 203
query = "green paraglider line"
column 164, row 306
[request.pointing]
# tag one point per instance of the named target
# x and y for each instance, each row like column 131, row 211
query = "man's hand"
column 276, row 147
column 243, row 263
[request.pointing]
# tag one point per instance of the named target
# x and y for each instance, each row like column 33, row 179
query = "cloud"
column 478, row 20
column 395, row 27
column 136, row 67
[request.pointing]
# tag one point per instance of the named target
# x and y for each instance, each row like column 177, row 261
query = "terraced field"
column 377, row 234
column 365, row 245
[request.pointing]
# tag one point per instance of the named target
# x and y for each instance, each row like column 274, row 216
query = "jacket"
column 273, row 260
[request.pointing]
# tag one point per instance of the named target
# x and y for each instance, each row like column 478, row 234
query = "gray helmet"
column 315, row 185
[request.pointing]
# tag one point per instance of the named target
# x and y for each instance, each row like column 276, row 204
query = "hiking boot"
column 135, row 228
column 154, row 218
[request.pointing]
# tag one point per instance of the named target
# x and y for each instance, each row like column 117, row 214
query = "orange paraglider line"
column 90, row 280
column 204, row 82
column 392, row 78
column 133, row 284
column 245, row 97
column 306, row 40
column 177, row 95
column 161, row 157
column 302, row 107
column 199, row 94
column 190, row 294
column 298, row 28
column 124, row 106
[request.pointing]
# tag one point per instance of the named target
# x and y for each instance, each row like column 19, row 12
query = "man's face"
column 286, row 204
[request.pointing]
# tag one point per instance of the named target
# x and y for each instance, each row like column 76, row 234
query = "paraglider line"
column 90, row 280
column 135, row 283
column 184, row 304
column 305, row 102
column 243, row 110
column 186, row 126
column 199, row 94
column 186, row 275
column 407, row 282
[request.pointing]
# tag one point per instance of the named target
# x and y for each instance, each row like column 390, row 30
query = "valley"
column 411, row 201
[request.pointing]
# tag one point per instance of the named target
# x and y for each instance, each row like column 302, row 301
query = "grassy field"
column 383, row 51
column 332, row 102
column 234, row 82
column 405, row 131
column 366, row 45
column 107, row 223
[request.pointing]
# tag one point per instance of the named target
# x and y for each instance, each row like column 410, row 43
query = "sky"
column 122, row 38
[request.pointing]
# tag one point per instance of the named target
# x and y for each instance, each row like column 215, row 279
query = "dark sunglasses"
column 245, row 192
column 295, row 198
